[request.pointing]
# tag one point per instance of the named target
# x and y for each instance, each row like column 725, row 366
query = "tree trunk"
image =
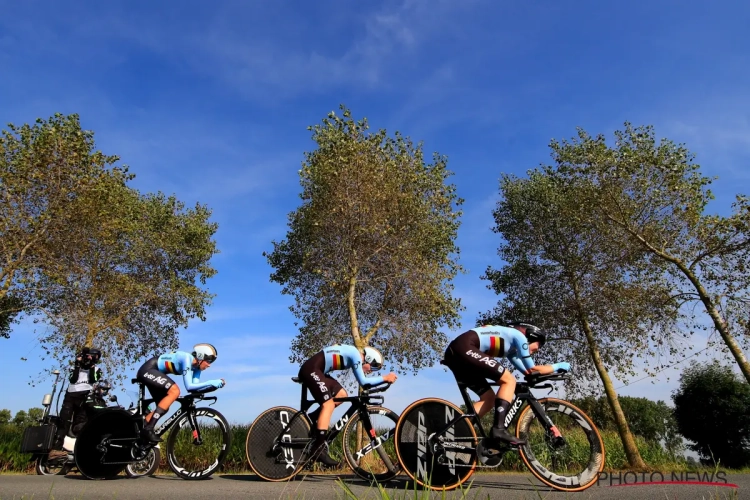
column 628, row 443
column 353, row 322
column 719, row 323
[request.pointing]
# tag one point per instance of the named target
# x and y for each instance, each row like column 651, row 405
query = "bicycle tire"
column 43, row 467
column 418, row 455
column 593, row 465
column 384, row 461
column 261, row 438
column 189, row 467
column 146, row 467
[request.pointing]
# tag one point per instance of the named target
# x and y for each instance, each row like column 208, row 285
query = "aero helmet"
column 373, row 358
column 533, row 333
column 205, row 352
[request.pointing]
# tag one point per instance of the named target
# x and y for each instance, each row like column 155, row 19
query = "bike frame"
column 359, row 404
column 187, row 403
column 523, row 395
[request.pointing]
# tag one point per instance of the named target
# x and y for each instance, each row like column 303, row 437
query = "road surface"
column 493, row 486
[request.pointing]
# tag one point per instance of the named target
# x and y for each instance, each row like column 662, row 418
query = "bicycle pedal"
column 489, row 454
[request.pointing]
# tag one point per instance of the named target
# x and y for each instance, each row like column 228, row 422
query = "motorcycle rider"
column 83, row 375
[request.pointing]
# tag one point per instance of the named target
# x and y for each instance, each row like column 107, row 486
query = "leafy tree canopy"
column 370, row 253
column 712, row 408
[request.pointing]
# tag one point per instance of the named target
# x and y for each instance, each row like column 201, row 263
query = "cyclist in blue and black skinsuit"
column 323, row 388
column 471, row 358
column 164, row 390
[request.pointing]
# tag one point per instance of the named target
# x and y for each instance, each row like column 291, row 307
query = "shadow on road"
column 402, row 482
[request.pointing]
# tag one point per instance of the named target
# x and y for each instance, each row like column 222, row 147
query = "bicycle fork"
column 197, row 439
column 553, row 433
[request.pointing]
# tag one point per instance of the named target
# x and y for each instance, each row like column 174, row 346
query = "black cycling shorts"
column 471, row 366
column 157, row 382
column 322, row 387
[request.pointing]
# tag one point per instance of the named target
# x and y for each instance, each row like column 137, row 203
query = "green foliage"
column 10, row 307
column 100, row 261
column 560, row 272
column 11, row 459
column 652, row 420
column 21, row 419
column 650, row 196
column 370, row 253
column 132, row 275
column 653, row 453
column 44, row 169
column 712, row 408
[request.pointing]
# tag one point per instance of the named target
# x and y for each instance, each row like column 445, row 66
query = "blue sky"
column 211, row 100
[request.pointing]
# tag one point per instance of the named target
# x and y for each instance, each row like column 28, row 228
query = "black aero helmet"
column 533, row 333
column 95, row 353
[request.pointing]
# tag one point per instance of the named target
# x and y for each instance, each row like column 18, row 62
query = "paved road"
column 494, row 486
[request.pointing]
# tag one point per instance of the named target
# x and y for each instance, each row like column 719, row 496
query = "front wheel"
column 426, row 456
column 198, row 443
column 567, row 456
column 145, row 467
column 373, row 456
column 275, row 455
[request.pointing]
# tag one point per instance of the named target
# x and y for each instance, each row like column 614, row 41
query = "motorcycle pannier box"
column 38, row 439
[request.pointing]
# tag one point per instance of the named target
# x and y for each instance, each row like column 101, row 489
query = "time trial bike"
column 279, row 441
column 197, row 443
column 438, row 447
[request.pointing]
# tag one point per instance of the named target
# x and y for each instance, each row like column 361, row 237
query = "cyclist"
column 471, row 358
column 164, row 390
column 314, row 374
column 83, row 375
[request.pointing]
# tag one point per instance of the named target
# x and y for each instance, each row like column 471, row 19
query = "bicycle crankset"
column 489, row 454
column 139, row 451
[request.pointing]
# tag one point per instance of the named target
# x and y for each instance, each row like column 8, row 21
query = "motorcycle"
column 38, row 440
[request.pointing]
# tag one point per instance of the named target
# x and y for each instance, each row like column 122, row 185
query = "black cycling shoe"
column 150, row 436
column 502, row 435
column 322, row 457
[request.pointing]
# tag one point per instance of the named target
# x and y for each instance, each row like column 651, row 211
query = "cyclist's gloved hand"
column 562, row 367
column 218, row 383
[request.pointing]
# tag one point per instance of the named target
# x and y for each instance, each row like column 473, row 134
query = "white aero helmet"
column 205, row 352
column 373, row 358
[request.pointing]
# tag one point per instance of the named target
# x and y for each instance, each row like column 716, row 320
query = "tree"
column 652, row 197
column 562, row 274
column 4, row 417
column 130, row 275
column 27, row 419
column 370, row 253
column 712, row 408
column 44, row 168
column 652, row 420
column 20, row 419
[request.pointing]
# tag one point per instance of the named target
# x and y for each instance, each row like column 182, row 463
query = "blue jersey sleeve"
column 191, row 377
column 519, row 353
column 355, row 358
